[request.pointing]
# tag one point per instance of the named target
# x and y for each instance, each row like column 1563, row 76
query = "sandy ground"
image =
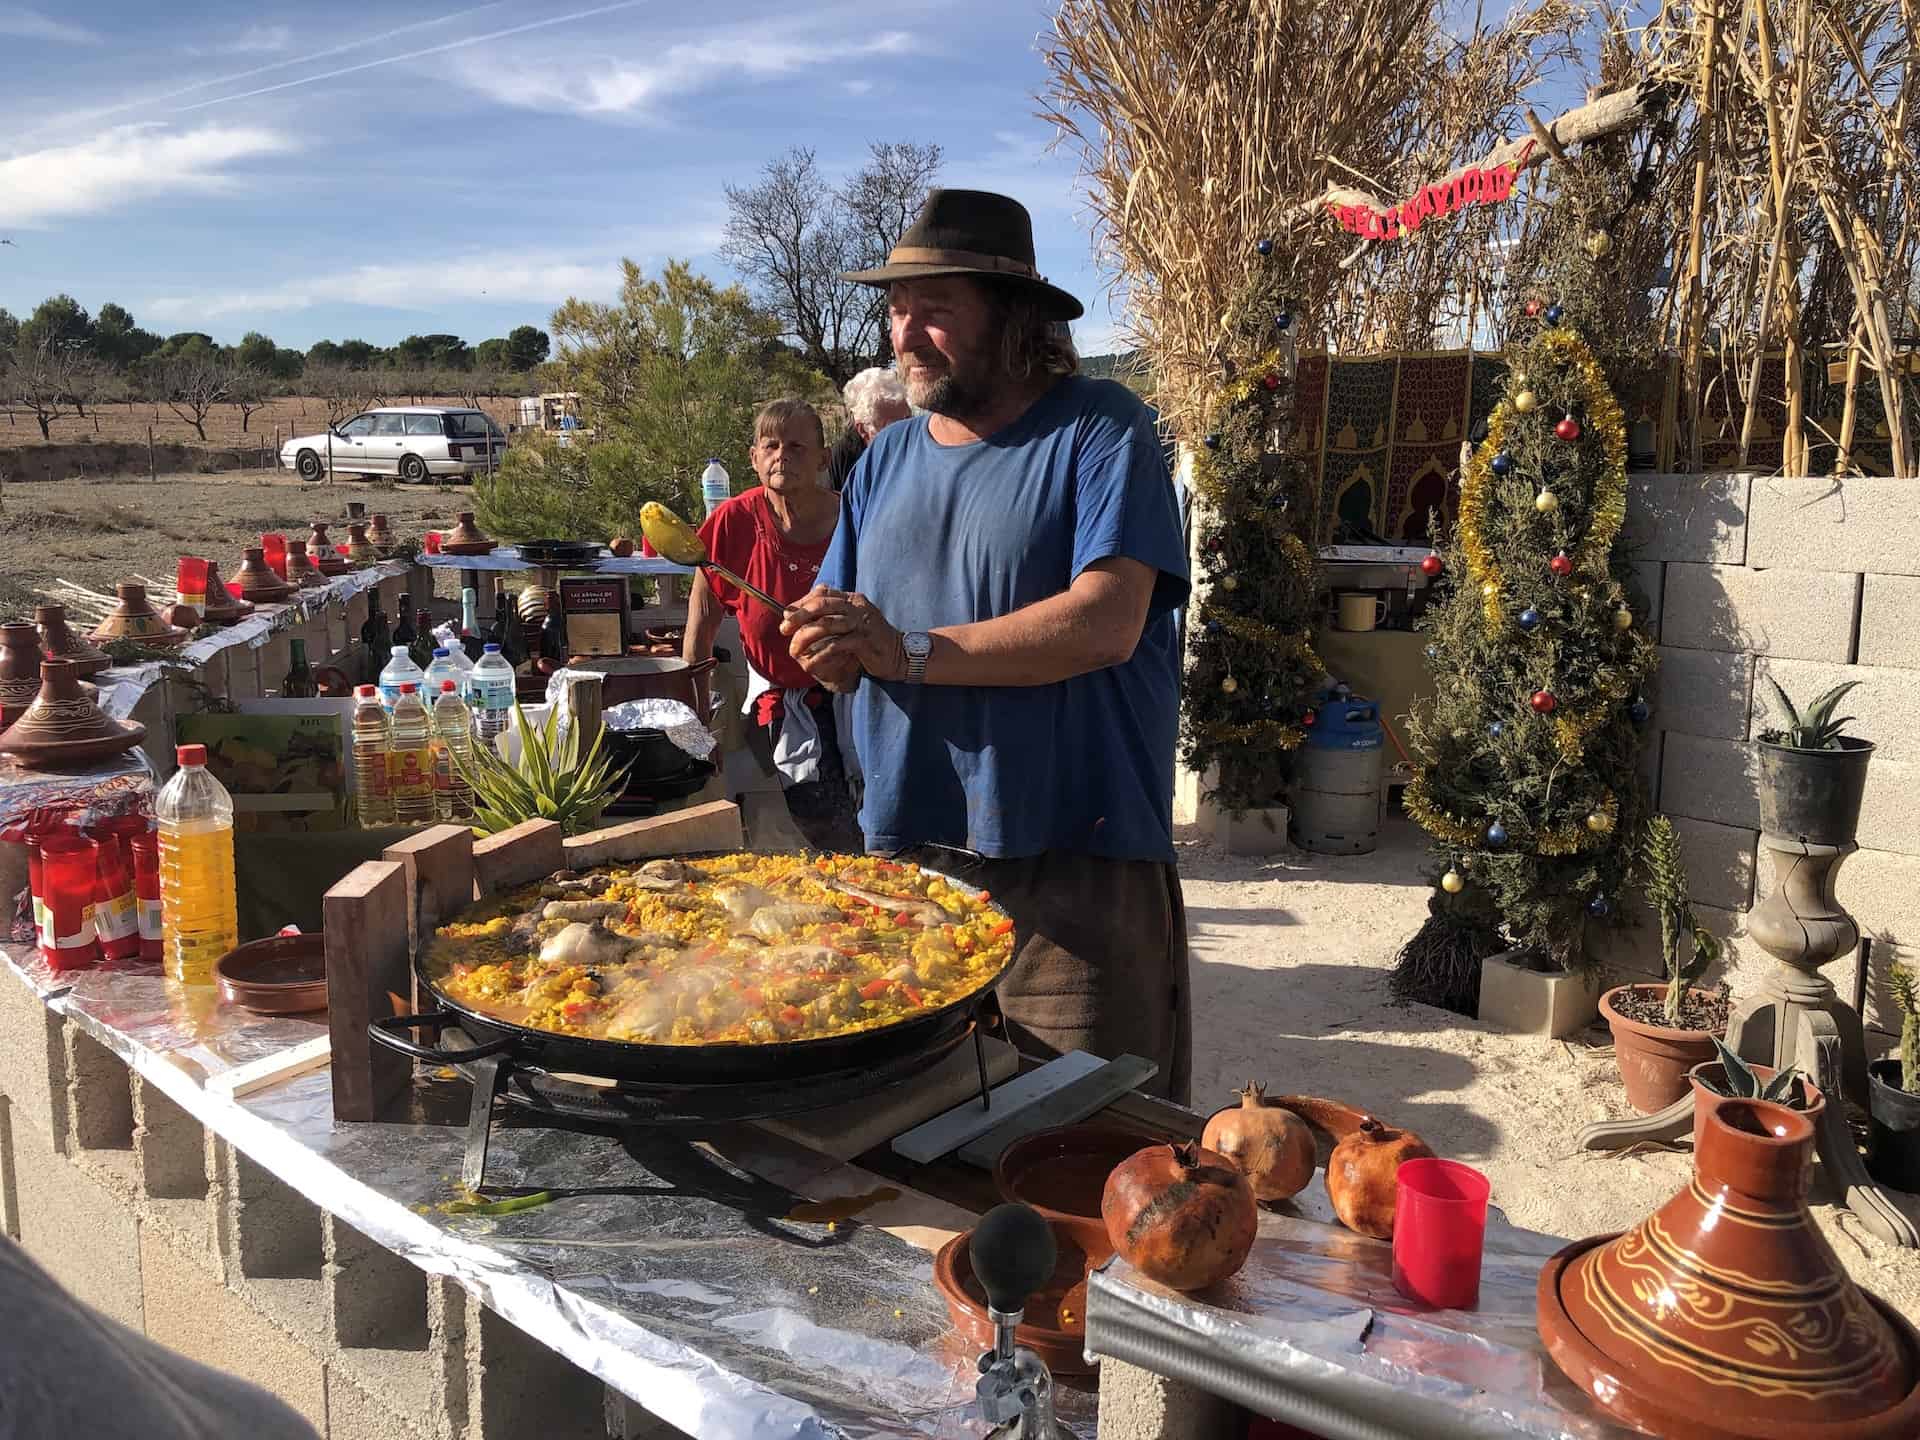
column 1291, row 954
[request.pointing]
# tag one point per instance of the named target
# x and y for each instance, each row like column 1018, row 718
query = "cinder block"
column 1889, row 816
column 243, row 673
column 276, row 658
column 1647, row 607
column 272, row 1246
column 99, row 1096
column 1709, row 779
column 1801, row 614
column 375, row 1299
column 1630, row 951
column 33, row 1060
column 1253, row 832
column 357, row 1414
column 1136, row 1404
column 1702, row 692
column 1688, row 517
column 1549, row 1003
column 1883, row 706
column 9, row 1190
column 1889, row 605
column 83, row 1233
column 1859, row 524
column 628, row 1421
column 170, row 1168
column 518, row 1387
column 1652, row 742
column 188, row 1310
column 1719, row 860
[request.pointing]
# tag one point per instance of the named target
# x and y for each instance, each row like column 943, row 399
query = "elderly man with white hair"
column 874, row 398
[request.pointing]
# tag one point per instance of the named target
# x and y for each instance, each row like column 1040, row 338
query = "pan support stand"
column 487, row 1076
column 1797, row 1019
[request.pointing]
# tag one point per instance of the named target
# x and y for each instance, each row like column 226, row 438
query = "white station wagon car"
column 412, row 442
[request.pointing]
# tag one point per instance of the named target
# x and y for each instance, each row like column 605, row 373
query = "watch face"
column 918, row 644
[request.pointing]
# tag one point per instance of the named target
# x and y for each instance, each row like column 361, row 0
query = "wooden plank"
column 968, row 1121
column 715, row 826
column 845, row 1131
column 439, row 871
column 529, row 851
column 1067, row 1106
column 244, row 1080
column 364, row 918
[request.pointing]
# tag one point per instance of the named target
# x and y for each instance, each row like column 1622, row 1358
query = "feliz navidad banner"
column 1472, row 186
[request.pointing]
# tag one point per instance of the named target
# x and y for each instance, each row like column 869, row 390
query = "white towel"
column 796, row 754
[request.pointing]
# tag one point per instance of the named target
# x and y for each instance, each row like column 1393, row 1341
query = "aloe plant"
column 550, row 780
column 1906, row 994
column 1686, row 948
column 1816, row 729
column 1740, row 1083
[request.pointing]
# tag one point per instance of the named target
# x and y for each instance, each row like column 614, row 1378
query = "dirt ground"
column 1290, row 959
column 269, row 424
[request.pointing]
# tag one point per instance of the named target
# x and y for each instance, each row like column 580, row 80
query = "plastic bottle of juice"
column 410, row 761
column 452, row 747
column 372, row 738
column 400, row 671
column 199, row 917
column 491, row 687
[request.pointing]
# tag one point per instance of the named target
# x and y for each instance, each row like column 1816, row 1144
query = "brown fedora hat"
column 971, row 232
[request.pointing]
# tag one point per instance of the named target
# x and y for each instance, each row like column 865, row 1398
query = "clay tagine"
column 134, row 618
column 465, row 538
column 301, row 570
column 318, row 541
column 63, row 725
column 1725, row 1315
column 380, row 535
column 19, row 669
column 222, row 608
column 58, row 641
column 258, row 584
column 360, row 551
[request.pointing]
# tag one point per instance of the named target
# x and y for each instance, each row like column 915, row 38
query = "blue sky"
column 373, row 171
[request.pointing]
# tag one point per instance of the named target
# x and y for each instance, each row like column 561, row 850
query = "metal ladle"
column 681, row 543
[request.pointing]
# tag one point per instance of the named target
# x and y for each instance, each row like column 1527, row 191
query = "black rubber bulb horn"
column 1013, row 1256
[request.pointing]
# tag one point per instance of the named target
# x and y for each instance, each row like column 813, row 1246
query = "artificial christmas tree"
column 1251, row 669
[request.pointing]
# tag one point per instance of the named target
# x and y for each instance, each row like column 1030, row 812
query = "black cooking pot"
column 558, row 554
column 648, row 754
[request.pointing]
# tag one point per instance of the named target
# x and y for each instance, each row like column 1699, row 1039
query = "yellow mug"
column 1361, row 610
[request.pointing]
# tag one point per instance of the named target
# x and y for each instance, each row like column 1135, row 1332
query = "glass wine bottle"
column 299, row 682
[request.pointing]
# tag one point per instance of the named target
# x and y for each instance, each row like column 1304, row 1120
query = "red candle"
column 433, row 542
column 116, row 916
column 70, row 873
column 275, row 544
column 190, row 580
column 146, row 888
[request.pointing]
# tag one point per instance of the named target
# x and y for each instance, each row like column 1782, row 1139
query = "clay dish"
column 1047, row 1331
column 257, row 582
column 284, row 975
column 1062, row 1172
column 64, row 726
column 134, row 618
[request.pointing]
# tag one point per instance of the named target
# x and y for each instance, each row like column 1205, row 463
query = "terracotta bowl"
column 1058, row 1340
column 284, row 975
column 1062, row 1172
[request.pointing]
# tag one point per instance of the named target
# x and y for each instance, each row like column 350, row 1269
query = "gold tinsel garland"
column 1258, row 632
column 1568, row 838
column 1272, row 732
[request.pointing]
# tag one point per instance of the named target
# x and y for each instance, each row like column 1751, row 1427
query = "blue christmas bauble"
column 1555, row 314
column 1638, row 712
column 1433, row 652
column 1283, row 321
column 1213, row 627
column 1600, row 906
column 1496, row 729
column 1281, row 503
column 1501, row 464
column 1212, row 442
column 1529, row 618
column 1496, row 834
column 1264, row 246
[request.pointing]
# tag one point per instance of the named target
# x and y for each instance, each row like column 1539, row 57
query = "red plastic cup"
column 432, row 542
column 1439, row 1231
column 275, row 546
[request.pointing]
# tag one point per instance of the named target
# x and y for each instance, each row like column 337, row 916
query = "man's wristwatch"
column 919, row 645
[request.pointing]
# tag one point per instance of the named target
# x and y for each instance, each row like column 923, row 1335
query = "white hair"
column 866, row 392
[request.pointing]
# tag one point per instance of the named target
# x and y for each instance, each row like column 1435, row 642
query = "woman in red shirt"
column 775, row 536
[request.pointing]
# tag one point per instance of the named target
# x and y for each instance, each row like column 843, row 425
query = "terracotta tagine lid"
column 1726, row 1315
column 134, row 618
column 301, row 570
column 317, row 538
column 63, row 725
column 19, row 669
column 222, row 608
column 257, row 582
column 359, row 548
column 465, row 538
column 58, row 641
column 380, row 534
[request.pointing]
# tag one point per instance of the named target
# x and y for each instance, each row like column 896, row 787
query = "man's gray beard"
column 949, row 396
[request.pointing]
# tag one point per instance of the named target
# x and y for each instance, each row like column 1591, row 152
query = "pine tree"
column 1527, row 760
column 1251, row 669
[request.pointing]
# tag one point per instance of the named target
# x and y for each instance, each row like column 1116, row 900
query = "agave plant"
column 1816, row 729
column 551, row 780
column 1686, row 947
column 1740, row 1083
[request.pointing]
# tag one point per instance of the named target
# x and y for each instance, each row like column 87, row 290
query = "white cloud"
column 856, row 87
column 28, row 24
column 575, row 86
column 254, row 40
column 126, row 164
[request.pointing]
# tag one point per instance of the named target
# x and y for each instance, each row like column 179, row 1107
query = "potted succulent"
column 1811, row 776
column 1893, row 1095
column 1660, row 1032
column 1732, row 1078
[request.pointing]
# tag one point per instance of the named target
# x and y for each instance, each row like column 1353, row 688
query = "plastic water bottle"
column 199, row 913
column 372, row 739
column 491, row 689
column 715, row 484
column 452, row 749
column 400, row 671
column 441, row 669
column 410, row 761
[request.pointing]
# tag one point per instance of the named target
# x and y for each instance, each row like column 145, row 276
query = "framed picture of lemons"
column 284, row 762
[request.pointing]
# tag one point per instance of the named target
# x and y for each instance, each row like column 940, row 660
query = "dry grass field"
column 124, row 423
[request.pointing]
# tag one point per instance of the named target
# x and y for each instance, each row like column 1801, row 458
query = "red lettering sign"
column 1472, row 186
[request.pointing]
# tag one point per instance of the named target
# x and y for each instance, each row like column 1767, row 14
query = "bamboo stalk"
column 1696, row 291
column 1850, row 413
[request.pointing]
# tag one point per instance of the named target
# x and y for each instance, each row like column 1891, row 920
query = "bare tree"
column 192, row 385
column 89, row 383
column 247, row 390
column 38, row 379
column 793, row 236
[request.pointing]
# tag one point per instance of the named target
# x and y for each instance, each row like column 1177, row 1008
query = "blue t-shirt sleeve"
column 838, row 569
column 1124, row 503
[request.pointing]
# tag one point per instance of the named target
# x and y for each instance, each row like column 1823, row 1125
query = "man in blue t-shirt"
column 1000, row 597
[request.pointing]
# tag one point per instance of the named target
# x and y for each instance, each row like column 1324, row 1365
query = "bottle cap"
column 439, row 652
column 190, row 754
column 408, row 688
column 366, row 692
column 399, row 649
column 493, row 649
column 447, row 687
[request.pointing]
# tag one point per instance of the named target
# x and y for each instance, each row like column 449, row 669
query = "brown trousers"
column 1101, row 963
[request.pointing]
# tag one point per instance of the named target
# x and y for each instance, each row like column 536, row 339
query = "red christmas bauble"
column 1430, row 565
column 1568, row 429
column 1561, row 565
column 1533, row 308
column 1307, row 718
column 1270, row 380
column 1543, row 702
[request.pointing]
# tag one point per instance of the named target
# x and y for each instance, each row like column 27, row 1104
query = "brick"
column 1888, row 634
column 1709, row 779
column 1651, row 575
column 190, row 1311
column 33, row 1060
column 1719, row 861
column 1702, row 692
column 1882, row 707
column 1688, row 517
column 1801, row 614
column 77, row 1228
column 1865, row 524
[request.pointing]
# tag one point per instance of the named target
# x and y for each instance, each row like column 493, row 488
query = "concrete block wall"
column 1809, row 582
column 160, row 1224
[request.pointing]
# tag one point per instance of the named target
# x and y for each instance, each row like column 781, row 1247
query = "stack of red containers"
column 95, row 889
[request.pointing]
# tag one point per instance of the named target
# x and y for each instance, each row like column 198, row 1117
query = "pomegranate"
column 1272, row 1147
column 1362, row 1172
column 1180, row 1214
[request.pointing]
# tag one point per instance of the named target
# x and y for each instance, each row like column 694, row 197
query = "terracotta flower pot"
column 63, row 725
column 380, row 534
column 19, row 669
column 222, row 608
column 301, row 570
column 58, row 641
column 1725, row 1315
column 1654, row 1060
column 134, row 618
column 257, row 582
column 1704, row 1099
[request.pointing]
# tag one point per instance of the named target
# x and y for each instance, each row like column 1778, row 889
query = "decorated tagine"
column 301, row 571
column 64, row 726
column 380, row 535
column 222, row 608
column 466, row 538
column 134, row 618
column 1725, row 1315
column 59, row 641
column 360, row 551
column 258, row 584
column 19, row 669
